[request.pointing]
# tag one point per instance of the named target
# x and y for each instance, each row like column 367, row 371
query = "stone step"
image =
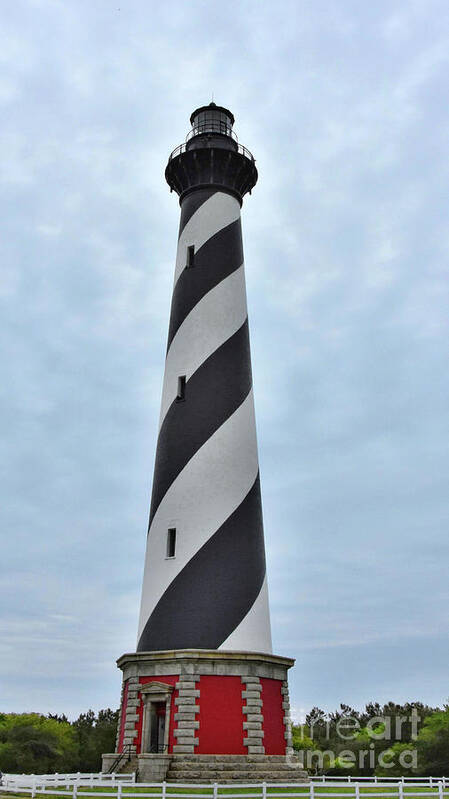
column 128, row 766
column 233, row 766
column 237, row 776
column 236, row 773
column 256, row 772
column 229, row 758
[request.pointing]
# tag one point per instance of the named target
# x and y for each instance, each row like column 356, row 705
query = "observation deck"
column 211, row 157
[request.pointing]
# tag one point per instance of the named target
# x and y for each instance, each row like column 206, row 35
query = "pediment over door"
column 156, row 688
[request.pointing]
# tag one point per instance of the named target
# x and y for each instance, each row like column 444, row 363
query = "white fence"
column 377, row 780
column 46, row 781
column 85, row 785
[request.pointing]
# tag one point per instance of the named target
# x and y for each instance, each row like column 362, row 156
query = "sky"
column 344, row 105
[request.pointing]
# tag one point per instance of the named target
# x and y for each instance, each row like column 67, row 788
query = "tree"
column 398, row 761
column 95, row 735
column 36, row 744
column 433, row 744
column 31, row 743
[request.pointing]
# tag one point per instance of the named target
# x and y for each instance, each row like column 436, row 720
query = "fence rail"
column 101, row 776
column 350, row 778
column 116, row 786
column 44, row 781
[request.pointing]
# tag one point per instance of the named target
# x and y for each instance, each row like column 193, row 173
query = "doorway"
column 157, row 727
column 157, row 701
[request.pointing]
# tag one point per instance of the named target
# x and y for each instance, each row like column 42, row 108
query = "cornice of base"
column 204, row 655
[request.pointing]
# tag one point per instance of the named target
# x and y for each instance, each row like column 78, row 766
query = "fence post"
column 74, row 790
column 375, row 778
column 431, row 782
column 119, row 790
column 215, row 790
column 401, row 789
column 33, row 788
column 357, row 790
column 312, row 791
column 264, row 790
column 164, row 789
column 440, row 790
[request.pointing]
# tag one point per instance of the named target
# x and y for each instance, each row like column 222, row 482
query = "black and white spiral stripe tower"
column 205, row 581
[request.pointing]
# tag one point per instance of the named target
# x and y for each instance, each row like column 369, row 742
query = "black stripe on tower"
column 191, row 204
column 219, row 256
column 209, row 598
column 213, row 394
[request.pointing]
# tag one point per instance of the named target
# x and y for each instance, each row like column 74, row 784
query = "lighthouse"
column 203, row 696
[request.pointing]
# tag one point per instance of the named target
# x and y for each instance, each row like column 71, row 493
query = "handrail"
column 184, row 148
column 119, row 759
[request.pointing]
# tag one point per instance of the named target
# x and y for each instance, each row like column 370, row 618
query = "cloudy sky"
column 344, row 105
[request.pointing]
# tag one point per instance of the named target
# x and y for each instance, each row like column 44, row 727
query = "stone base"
column 211, row 768
column 126, row 765
column 153, row 768
column 235, row 769
column 213, row 702
column 107, row 761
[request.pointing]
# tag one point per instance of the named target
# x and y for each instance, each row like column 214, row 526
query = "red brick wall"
column 220, row 716
column 273, row 717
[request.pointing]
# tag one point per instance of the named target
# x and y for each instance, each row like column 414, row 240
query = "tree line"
column 31, row 743
column 382, row 740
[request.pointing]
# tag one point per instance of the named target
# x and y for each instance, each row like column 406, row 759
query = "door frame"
column 155, row 692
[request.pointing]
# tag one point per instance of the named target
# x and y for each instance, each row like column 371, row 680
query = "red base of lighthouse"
column 202, row 702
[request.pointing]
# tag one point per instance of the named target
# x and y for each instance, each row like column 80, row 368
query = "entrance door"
column 157, row 729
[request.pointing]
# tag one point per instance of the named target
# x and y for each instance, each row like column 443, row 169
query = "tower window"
column 181, row 395
column 171, row 542
column 190, row 256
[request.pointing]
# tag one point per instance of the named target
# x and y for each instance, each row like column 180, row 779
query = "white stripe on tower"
column 224, row 469
column 213, row 320
column 206, row 486
column 218, row 211
column 253, row 634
